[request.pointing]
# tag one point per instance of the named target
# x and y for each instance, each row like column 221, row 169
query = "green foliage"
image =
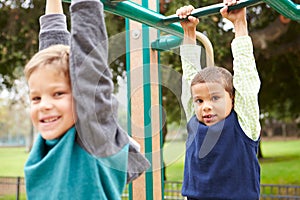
column 279, row 92
column 280, row 76
column 117, row 44
column 18, row 39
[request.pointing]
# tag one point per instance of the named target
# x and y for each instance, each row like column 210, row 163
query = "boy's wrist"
column 241, row 28
column 189, row 36
column 54, row 7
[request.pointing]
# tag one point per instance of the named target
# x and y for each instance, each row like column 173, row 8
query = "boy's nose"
column 45, row 104
column 206, row 106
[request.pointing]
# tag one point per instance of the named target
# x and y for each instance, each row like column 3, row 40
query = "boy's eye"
column 215, row 98
column 198, row 101
column 58, row 94
column 35, row 99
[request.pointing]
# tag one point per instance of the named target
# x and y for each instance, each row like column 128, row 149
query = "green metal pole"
column 166, row 42
column 145, row 116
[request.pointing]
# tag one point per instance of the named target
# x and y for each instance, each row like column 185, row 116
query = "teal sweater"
column 64, row 170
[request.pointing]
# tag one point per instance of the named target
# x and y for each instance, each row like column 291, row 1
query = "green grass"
column 174, row 159
column 13, row 197
column 281, row 163
column 12, row 161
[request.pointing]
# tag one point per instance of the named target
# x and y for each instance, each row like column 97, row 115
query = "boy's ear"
column 233, row 94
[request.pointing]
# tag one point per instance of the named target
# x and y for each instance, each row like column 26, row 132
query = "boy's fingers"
column 189, row 9
column 224, row 10
column 184, row 11
column 230, row 2
column 181, row 12
column 193, row 19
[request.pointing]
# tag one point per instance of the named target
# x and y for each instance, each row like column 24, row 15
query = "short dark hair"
column 215, row 75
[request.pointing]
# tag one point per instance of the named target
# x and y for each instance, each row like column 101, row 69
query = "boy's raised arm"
column 53, row 26
column 91, row 77
column 245, row 80
column 190, row 57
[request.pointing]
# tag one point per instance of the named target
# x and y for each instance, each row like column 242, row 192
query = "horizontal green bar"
column 140, row 14
column 210, row 10
column 287, row 8
column 148, row 17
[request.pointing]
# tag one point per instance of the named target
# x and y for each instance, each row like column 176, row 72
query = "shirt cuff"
column 53, row 22
column 192, row 54
column 78, row 1
column 241, row 44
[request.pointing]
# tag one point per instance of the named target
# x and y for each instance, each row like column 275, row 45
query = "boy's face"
column 52, row 111
column 212, row 102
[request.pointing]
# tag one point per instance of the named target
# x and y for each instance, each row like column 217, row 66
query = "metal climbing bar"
column 287, row 8
column 136, row 12
column 140, row 14
column 210, row 10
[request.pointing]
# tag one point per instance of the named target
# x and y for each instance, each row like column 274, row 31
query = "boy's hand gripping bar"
column 210, row 10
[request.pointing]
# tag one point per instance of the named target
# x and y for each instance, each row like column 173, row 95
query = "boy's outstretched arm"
column 245, row 80
column 91, row 79
column 190, row 57
column 53, row 26
column 92, row 86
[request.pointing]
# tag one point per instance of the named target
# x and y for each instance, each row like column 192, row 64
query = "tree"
column 18, row 40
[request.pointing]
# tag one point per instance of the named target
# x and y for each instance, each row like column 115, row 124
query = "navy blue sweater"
column 221, row 162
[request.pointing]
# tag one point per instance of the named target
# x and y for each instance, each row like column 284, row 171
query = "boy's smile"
column 212, row 102
column 51, row 99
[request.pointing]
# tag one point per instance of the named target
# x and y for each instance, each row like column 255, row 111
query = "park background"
column 276, row 44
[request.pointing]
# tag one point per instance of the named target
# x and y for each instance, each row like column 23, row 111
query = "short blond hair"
column 57, row 56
